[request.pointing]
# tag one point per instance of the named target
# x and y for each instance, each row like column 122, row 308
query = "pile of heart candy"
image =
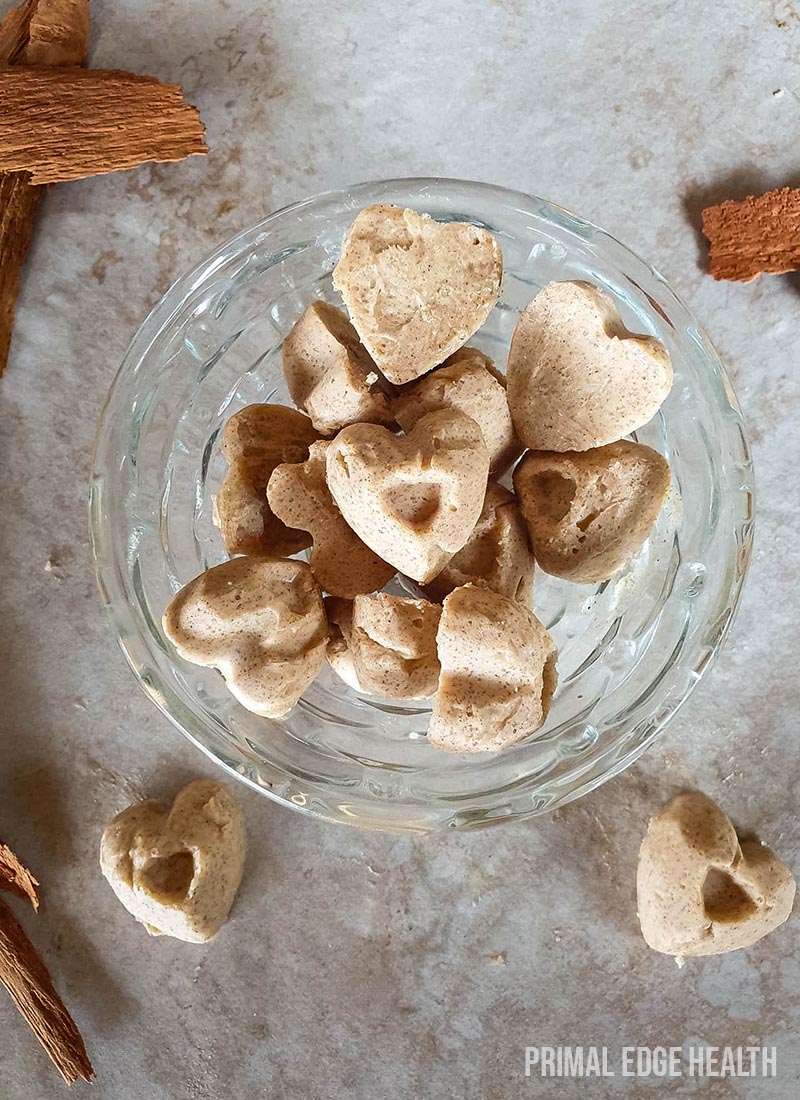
column 393, row 465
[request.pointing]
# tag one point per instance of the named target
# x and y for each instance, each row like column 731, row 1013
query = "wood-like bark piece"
column 66, row 124
column 758, row 236
column 56, row 32
column 28, row 982
column 18, row 202
column 15, row 32
column 16, row 878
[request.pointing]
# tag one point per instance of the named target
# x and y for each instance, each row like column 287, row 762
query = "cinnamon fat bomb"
column 702, row 891
column 177, row 871
column 385, row 645
column 469, row 382
column 329, row 373
column 341, row 563
column 416, row 289
column 415, row 499
column 498, row 673
column 588, row 512
column 260, row 623
column 255, row 441
column 576, row 377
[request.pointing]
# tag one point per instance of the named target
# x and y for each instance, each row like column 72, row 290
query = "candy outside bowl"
column 631, row 650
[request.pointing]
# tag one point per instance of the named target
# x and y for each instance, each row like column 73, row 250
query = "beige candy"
column 702, row 891
column 254, row 441
column 329, row 373
column 576, row 377
column 178, row 871
column 496, row 554
column 414, row 500
column 588, row 512
column 385, row 645
column 299, row 495
column 261, row 623
column 469, row 382
column 416, row 289
column 498, row 673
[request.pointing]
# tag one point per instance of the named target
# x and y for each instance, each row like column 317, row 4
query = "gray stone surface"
column 361, row 965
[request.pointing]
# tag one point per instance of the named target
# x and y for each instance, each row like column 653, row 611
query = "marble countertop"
column 362, row 965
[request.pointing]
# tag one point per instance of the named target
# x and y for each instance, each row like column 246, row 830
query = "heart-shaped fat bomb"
column 496, row 554
column 385, row 645
column 498, row 673
column 329, row 373
column 254, row 441
column 341, row 563
column 260, row 623
column 469, row 382
column 700, row 890
column 416, row 289
column 588, row 512
column 178, row 871
column 412, row 499
column 576, row 377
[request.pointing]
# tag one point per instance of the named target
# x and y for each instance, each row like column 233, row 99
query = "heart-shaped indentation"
column 341, row 563
column 416, row 289
column 260, row 623
column 413, row 499
column 577, row 378
column 178, row 871
column 498, row 673
column 588, row 512
column 700, row 890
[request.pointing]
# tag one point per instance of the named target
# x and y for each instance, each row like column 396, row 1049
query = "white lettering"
column 531, row 1059
column 573, row 1061
column 627, row 1062
column 548, row 1061
column 769, row 1061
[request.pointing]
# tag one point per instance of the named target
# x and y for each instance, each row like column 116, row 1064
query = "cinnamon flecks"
column 28, row 982
column 758, row 236
column 17, row 879
column 62, row 124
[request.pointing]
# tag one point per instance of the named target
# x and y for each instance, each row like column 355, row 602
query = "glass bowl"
column 631, row 650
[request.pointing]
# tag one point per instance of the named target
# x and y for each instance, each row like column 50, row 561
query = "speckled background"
column 360, row 965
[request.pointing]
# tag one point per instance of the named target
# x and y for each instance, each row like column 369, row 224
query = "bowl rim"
column 171, row 303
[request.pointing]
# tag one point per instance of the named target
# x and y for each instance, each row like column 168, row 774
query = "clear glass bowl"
column 630, row 650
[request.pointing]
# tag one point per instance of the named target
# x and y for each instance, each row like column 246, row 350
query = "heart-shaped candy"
column 254, row 441
column 496, row 554
column 576, row 377
column 261, row 623
column 385, row 645
column 469, row 382
column 588, row 512
column 412, row 499
column 178, row 871
column 498, row 673
column 702, row 891
column 329, row 374
column 341, row 563
column 416, row 289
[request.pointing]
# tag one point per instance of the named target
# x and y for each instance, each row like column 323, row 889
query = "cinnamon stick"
column 46, row 31
column 65, row 124
column 14, row 32
column 28, row 981
column 758, row 236
column 16, row 878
